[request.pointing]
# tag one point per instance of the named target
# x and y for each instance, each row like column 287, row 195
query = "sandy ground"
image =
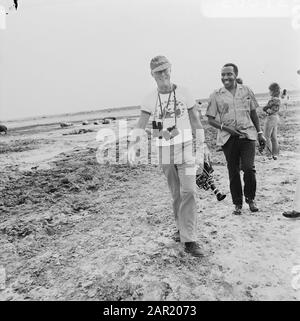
column 73, row 229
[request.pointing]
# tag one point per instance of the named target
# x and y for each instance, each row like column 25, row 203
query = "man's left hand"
column 206, row 153
column 261, row 139
column 203, row 156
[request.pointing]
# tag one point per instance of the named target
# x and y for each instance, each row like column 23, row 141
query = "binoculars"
column 167, row 134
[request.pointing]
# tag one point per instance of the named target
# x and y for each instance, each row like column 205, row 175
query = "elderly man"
column 232, row 110
column 175, row 119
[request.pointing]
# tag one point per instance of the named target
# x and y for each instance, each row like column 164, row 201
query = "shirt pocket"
column 246, row 103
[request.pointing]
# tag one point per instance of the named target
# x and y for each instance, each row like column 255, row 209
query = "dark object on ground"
column 64, row 125
column 193, row 248
column 205, row 180
column 107, row 120
column 96, row 122
column 3, row 129
column 291, row 214
column 85, row 122
column 79, row 131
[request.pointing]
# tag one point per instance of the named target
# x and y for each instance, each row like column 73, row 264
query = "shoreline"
column 261, row 98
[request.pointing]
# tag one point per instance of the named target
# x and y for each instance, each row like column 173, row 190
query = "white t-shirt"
column 284, row 99
column 184, row 101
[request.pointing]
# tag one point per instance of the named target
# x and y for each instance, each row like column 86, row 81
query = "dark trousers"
column 240, row 155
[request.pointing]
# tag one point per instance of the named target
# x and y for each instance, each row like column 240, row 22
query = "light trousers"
column 178, row 165
column 270, row 130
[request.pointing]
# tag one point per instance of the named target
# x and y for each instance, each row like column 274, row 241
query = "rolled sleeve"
column 145, row 109
column 148, row 104
column 212, row 108
column 253, row 102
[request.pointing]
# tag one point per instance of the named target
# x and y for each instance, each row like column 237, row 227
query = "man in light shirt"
column 232, row 110
column 174, row 121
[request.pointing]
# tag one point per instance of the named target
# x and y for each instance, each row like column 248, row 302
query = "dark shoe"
column 291, row 214
column 237, row 210
column 252, row 205
column 176, row 236
column 192, row 248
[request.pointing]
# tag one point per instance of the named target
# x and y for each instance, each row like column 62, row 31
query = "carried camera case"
column 205, row 180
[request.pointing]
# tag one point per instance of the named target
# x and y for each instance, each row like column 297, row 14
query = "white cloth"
column 184, row 101
column 284, row 100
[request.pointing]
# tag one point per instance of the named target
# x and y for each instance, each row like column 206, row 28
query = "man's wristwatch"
column 260, row 132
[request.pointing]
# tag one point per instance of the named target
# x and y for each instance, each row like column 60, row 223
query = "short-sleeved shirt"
column 184, row 101
column 233, row 111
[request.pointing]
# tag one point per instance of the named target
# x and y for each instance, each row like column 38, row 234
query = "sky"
column 61, row 56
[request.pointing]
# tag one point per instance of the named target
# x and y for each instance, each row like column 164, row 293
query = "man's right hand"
column 232, row 131
column 141, row 125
